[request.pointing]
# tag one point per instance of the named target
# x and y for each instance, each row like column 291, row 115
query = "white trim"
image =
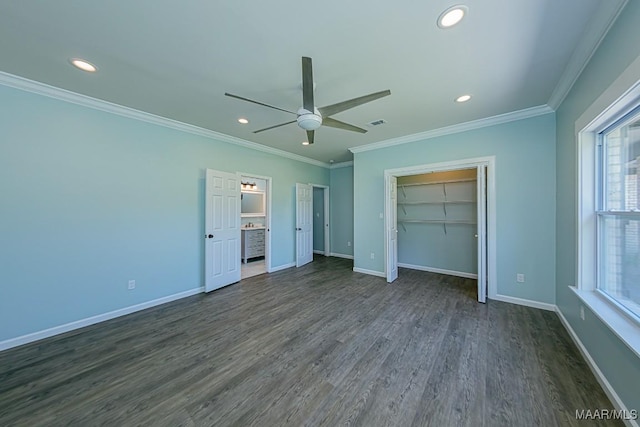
column 490, row 162
column 337, row 255
column 315, row 251
column 590, row 40
column 622, row 326
column 282, row 267
column 43, row 89
column 524, row 302
column 72, row 326
column 461, row 127
column 438, row 270
column 604, row 383
column 370, row 272
column 341, row 165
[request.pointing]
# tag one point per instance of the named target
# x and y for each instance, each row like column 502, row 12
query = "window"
column 618, row 212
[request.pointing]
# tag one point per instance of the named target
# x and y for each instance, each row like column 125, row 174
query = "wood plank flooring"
column 318, row 345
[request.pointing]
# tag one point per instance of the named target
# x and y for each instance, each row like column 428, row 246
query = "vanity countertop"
column 262, row 227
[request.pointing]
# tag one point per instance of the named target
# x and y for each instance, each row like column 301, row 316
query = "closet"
column 437, row 222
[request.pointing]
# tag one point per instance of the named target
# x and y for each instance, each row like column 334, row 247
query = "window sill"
column 620, row 324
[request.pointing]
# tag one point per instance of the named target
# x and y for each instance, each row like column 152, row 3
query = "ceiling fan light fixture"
column 463, row 98
column 452, row 16
column 83, row 65
column 308, row 120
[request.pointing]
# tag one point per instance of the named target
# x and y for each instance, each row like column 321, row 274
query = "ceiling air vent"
column 377, row 122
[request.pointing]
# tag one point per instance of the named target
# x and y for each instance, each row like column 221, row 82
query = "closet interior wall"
column 437, row 222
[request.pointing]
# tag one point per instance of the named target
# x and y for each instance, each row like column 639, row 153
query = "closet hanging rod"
column 436, row 202
column 437, row 221
column 450, row 181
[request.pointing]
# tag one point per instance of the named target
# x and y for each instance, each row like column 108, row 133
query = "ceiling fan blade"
column 333, row 123
column 310, row 135
column 257, row 102
column 330, row 110
column 307, row 84
column 275, row 126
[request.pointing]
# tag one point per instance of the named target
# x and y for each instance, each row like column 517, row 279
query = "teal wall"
column 525, row 213
column 341, row 210
column 318, row 219
column 92, row 199
column 619, row 48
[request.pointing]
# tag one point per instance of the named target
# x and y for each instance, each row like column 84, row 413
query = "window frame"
column 602, row 212
column 615, row 103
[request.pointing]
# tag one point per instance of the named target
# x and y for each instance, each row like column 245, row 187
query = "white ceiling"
column 177, row 59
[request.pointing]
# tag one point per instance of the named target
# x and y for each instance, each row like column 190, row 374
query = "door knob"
column 210, row 236
column 298, row 229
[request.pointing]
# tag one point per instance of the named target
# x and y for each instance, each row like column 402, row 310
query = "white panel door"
column 392, row 230
column 482, row 232
column 304, row 224
column 222, row 229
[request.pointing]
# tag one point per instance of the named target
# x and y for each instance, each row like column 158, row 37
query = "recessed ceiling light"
column 452, row 16
column 305, row 143
column 463, row 98
column 83, row 65
column 243, row 120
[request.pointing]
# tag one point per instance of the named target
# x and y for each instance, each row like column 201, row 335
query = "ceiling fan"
column 311, row 118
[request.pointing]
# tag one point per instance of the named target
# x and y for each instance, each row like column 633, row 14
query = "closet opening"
column 437, row 220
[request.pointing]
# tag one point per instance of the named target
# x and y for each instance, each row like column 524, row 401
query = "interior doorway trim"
column 327, row 225
column 489, row 162
column 267, row 243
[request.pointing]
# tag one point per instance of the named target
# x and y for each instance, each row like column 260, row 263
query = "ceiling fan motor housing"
column 308, row 120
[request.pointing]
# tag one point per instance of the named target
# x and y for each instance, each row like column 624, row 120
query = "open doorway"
column 312, row 222
column 255, row 210
column 440, row 218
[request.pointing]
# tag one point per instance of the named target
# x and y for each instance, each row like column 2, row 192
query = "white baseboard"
column 525, row 302
column 337, row 255
column 370, row 272
column 282, row 267
column 318, row 252
column 438, row 270
column 604, row 383
column 56, row 330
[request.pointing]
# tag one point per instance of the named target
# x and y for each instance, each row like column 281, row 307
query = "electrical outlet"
column 348, row 243
column 132, row 284
column 520, row 278
column 582, row 312
column 381, row 215
column 373, row 255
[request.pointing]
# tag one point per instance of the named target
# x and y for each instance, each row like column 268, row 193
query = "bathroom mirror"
column 252, row 203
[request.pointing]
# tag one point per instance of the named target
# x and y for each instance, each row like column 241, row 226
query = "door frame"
column 267, row 219
column 490, row 214
column 327, row 223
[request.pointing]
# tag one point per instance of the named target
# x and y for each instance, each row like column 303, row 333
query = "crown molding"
column 341, row 165
column 595, row 32
column 43, row 89
column 461, row 127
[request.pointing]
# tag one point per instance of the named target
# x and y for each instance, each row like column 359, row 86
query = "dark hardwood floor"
column 318, row 345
